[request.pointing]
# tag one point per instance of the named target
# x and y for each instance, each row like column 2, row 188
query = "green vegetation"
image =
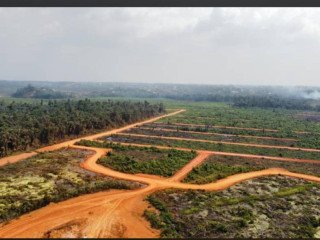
column 148, row 160
column 164, row 221
column 210, row 172
column 268, row 207
column 216, row 167
column 49, row 177
column 214, row 115
column 29, row 125
column 222, row 114
column 220, row 147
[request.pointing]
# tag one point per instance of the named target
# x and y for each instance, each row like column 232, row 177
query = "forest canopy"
column 28, row 125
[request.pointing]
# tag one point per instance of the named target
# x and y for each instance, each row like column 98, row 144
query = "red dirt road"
column 117, row 213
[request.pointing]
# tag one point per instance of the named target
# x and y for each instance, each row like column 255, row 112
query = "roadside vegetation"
column 49, row 177
column 268, row 207
column 24, row 126
column 147, row 160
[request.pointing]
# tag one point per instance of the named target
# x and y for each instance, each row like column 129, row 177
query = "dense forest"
column 27, row 125
column 39, row 93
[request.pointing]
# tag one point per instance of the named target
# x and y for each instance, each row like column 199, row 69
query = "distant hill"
column 41, row 93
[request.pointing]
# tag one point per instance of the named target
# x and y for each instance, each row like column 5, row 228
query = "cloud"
column 185, row 45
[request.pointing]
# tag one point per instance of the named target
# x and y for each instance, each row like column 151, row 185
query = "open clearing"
column 120, row 213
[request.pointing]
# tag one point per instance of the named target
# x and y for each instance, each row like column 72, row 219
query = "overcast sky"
column 165, row 45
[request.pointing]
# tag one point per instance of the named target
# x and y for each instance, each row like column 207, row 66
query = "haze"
column 277, row 46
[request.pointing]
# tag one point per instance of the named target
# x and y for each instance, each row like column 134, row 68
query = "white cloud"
column 209, row 45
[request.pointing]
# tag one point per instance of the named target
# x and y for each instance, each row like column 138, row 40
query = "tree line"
column 276, row 102
column 28, row 125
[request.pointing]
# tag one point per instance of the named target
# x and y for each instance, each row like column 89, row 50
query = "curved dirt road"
column 115, row 213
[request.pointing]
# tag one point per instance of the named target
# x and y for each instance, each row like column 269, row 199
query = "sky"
column 256, row 46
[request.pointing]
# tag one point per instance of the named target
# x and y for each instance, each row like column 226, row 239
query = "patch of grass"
column 211, row 171
column 294, row 190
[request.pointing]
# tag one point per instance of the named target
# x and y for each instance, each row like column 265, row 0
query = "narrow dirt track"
column 227, row 143
column 16, row 158
column 222, row 134
column 115, row 213
column 228, row 153
column 219, row 126
column 229, row 127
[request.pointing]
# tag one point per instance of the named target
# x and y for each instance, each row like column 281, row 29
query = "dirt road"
column 228, row 153
column 115, row 213
column 230, row 127
column 221, row 134
column 227, row 143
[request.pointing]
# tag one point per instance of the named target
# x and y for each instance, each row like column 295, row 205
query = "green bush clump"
column 212, row 171
column 148, row 160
